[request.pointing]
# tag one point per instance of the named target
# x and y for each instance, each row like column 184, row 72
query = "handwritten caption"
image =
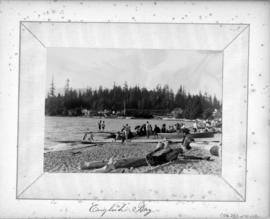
column 141, row 208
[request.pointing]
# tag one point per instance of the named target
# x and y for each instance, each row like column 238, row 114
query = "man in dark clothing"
column 143, row 130
column 163, row 128
column 99, row 125
column 148, row 129
column 103, row 125
column 156, row 131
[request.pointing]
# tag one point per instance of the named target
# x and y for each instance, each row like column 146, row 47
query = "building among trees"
column 134, row 101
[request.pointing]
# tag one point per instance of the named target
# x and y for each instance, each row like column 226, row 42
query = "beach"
column 64, row 152
column 71, row 159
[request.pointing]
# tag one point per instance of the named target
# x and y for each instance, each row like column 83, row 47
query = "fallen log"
column 161, row 155
column 123, row 163
column 151, row 159
column 130, row 162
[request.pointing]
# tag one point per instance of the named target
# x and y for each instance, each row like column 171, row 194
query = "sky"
column 91, row 68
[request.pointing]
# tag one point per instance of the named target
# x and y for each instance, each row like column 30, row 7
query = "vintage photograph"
column 133, row 111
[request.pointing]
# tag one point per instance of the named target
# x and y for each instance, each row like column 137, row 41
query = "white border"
column 255, row 13
column 230, row 39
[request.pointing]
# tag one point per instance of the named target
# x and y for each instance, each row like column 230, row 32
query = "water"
column 73, row 128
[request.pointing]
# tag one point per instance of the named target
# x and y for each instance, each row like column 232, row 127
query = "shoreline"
column 68, row 161
column 128, row 118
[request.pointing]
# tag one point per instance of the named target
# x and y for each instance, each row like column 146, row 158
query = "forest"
column 133, row 101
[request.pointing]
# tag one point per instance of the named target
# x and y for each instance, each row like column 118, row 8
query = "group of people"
column 147, row 129
column 178, row 127
column 101, row 125
column 126, row 130
column 205, row 125
column 124, row 134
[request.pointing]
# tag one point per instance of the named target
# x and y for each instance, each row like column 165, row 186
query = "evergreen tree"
column 52, row 89
column 137, row 101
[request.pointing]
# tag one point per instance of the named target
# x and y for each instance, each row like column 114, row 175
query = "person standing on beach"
column 156, row 131
column 103, row 126
column 178, row 128
column 143, row 129
column 127, row 132
column 195, row 126
column 99, row 125
column 163, row 128
column 148, row 129
column 183, row 127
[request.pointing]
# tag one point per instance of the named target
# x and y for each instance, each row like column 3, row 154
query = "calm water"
column 73, row 128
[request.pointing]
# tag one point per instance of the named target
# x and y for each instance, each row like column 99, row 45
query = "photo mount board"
column 36, row 37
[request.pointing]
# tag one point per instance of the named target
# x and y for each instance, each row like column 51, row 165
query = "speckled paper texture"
column 36, row 37
column 240, row 191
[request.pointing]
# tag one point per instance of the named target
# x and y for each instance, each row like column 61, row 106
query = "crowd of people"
column 147, row 129
column 206, row 125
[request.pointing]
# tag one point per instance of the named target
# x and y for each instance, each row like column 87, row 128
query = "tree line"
column 132, row 101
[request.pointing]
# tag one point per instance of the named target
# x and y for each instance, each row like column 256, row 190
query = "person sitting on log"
column 163, row 153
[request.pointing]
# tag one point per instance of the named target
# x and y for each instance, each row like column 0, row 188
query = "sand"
column 69, row 160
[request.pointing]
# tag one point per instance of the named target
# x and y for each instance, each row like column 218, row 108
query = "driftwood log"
column 122, row 163
column 151, row 159
column 134, row 162
column 159, row 156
